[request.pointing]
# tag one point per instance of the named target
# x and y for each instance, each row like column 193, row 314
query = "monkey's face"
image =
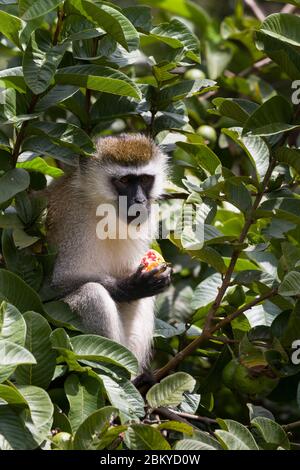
column 134, row 196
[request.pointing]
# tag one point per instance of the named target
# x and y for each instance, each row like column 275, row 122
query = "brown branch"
column 204, row 419
column 289, row 9
column 88, row 93
column 209, row 328
column 170, row 415
column 60, row 18
column 21, row 134
column 256, row 9
column 291, row 426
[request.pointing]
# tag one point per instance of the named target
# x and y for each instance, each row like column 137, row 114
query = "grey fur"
column 86, row 266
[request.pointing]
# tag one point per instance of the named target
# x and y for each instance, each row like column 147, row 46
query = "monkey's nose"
column 139, row 200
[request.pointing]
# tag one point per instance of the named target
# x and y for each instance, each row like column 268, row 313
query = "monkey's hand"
column 143, row 284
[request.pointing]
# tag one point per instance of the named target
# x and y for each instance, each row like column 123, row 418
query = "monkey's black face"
column 136, row 189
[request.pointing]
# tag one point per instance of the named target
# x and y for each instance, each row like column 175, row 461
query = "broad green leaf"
column 177, row 35
column 12, row 324
column 10, row 26
column 290, row 284
column 256, row 411
column 272, row 117
column 10, row 221
column 95, row 347
column 40, row 165
column 238, row 194
column 65, row 134
column 13, row 78
column 84, row 394
column 13, row 182
column 39, row 344
column 169, row 392
column 202, row 155
column 96, row 77
column 177, row 426
column 186, row 9
column 139, row 16
column 12, row 355
column 206, row 291
column 235, row 108
column 40, row 8
column 41, row 145
column 13, row 433
column 40, row 61
column 184, row 89
column 145, row 437
column 90, row 432
column 271, row 432
column 11, row 395
column 55, row 96
column 60, row 314
column 110, row 19
column 17, row 292
column 290, row 156
column 192, row 445
column 125, row 397
column 292, row 330
column 38, row 418
column 236, row 436
column 282, row 26
column 286, row 208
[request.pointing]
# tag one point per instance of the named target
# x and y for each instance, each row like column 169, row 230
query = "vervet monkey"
column 101, row 279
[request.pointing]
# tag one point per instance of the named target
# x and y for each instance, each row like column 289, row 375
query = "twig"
column 88, row 93
column 256, row 66
column 256, row 9
column 289, row 9
column 170, row 415
column 174, row 196
column 204, row 419
column 21, row 133
column 60, row 18
column 289, row 427
column 209, row 328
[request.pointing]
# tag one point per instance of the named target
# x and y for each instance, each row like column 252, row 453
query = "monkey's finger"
column 154, row 271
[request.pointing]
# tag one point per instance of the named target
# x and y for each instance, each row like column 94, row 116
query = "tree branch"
column 291, row 426
column 209, row 328
column 256, row 9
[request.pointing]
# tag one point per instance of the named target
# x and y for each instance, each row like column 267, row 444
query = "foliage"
column 216, row 94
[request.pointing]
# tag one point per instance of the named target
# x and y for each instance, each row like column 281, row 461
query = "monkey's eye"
column 124, row 180
column 146, row 179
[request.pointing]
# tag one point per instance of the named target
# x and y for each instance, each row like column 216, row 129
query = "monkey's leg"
column 138, row 324
column 97, row 311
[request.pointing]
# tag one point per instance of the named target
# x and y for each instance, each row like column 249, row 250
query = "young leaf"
column 170, row 390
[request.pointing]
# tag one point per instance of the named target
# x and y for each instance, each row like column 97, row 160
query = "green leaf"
column 110, row 19
column 38, row 419
column 13, row 182
column 254, row 146
column 292, row 330
column 186, row 9
column 90, row 432
column 84, row 396
column 144, row 437
column 12, row 324
column 271, row 432
column 40, row 61
column 177, row 35
column 169, row 392
column 58, row 94
column 193, row 444
column 45, row 146
column 290, row 284
column 202, row 155
column 12, row 355
column 39, row 8
column 125, row 397
column 177, row 426
column 17, row 292
column 66, row 135
column 236, row 436
column 256, row 411
column 271, row 118
column 289, row 156
column 13, row 78
column 282, row 26
column 12, row 396
column 10, row 26
column 95, row 347
column 13, row 433
column 184, row 89
column 238, row 194
column 41, row 166
column 206, row 291
column 39, row 344
column 96, row 77
column 60, row 314
column 235, row 108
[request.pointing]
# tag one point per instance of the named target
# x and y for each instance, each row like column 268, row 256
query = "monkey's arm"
column 139, row 285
